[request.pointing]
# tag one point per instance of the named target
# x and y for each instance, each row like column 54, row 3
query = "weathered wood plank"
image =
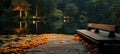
column 110, row 28
column 99, row 37
column 102, row 26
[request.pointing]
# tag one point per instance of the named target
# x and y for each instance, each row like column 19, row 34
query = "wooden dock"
column 100, row 37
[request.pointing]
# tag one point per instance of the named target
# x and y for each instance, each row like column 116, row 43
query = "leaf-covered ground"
column 45, row 43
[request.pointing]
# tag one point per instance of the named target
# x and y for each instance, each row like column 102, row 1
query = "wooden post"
column 88, row 28
column 111, row 34
column 97, row 31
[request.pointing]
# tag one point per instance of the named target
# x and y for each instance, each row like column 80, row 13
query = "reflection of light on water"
column 34, row 18
column 64, row 20
column 34, row 22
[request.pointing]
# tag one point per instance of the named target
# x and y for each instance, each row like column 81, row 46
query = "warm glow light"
column 34, row 16
column 64, row 20
column 34, row 22
column 65, row 17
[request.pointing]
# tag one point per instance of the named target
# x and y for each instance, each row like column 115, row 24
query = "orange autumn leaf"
column 76, row 38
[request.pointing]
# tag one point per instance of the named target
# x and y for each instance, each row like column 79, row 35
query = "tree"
column 70, row 9
column 46, row 7
column 22, row 7
column 57, row 13
column 56, row 20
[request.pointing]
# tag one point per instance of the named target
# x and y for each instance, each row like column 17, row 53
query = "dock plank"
column 100, row 37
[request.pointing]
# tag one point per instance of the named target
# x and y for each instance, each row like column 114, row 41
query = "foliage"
column 95, row 1
column 6, row 26
column 51, row 13
column 83, row 20
column 57, row 13
column 116, row 15
column 55, row 20
column 71, row 9
column 46, row 6
column 21, row 6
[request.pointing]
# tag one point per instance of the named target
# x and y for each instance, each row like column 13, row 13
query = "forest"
column 56, row 16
